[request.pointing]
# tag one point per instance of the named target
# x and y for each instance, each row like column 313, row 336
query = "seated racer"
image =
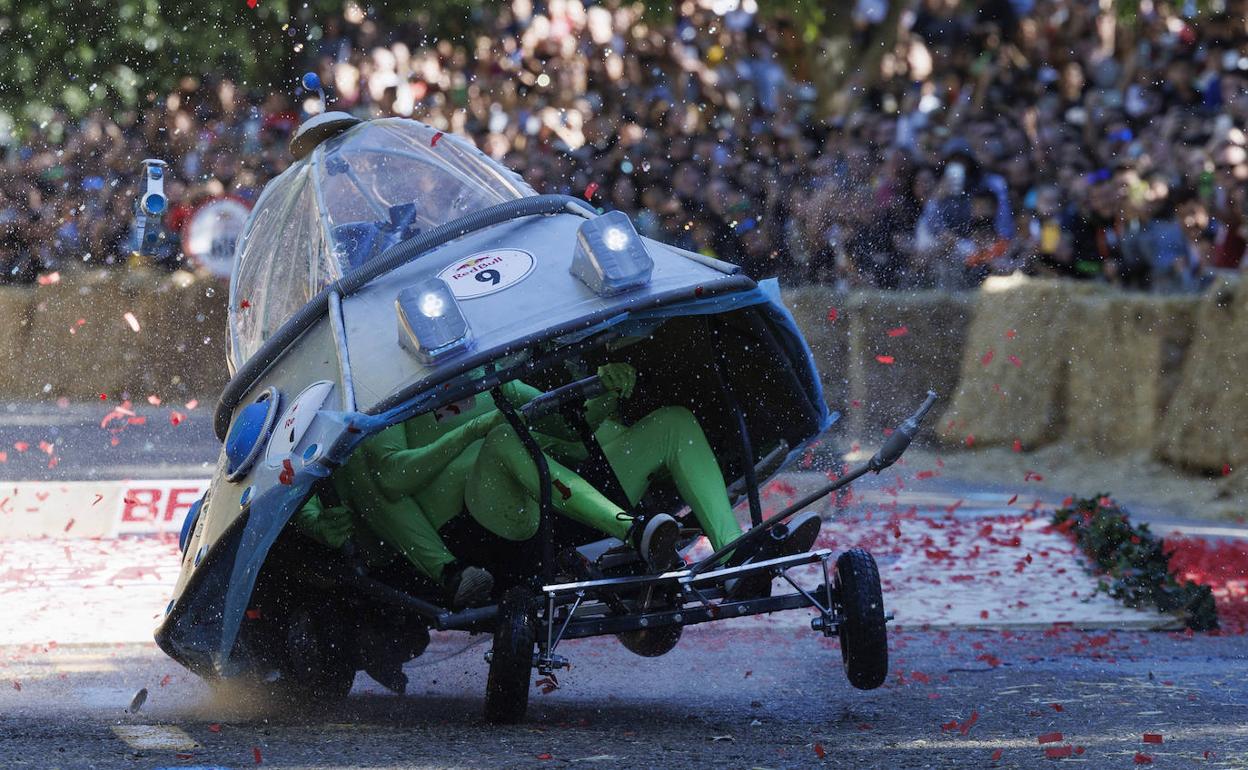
column 407, row 494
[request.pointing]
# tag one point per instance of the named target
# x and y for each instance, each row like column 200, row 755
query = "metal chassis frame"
column 696, row 591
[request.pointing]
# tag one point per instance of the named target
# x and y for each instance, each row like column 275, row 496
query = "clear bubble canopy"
column 358, row 193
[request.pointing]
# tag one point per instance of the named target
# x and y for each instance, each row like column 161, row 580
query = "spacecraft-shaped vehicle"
column 393, row 271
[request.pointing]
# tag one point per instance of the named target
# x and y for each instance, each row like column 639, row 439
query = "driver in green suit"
column 411, row 479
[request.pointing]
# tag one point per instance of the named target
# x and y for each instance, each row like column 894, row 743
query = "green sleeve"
column 400, row 471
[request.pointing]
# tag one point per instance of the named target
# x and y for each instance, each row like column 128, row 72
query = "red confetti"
column 1152, row 738
column 214, row 728
column 4, row 457
column 987, row 359
column 548, row 684
column 434, row 141
column 21, row 446
column 564, row 491
column 46, row 448
column 1015, row 498
column 69, row 524
column 164, row 682
column 1057, row 707
column 949, row 509
column 970, row 440
column 287, row 476
column 925, row 475
column 983, row 614
column 1209, row 754
column 1032, row 476
column 1143, row 759
column 590, row 189
column 1016, row 361
column 969, row 723
column 545, row 756
column 184, row 756
column 1079, row 749
column 103, row 396
column 884, row 359
column 833, row 314
column 1226, row 469
column 991, row 660
column 1011, row 334
column 176, row 418
column 1018, row 445
column 252, row 614
column 1049, row 738
column 255, row 750
column 900, row 331
column 252, row 3
column 1058, row 752
column 17, row 685
column 950, row 725
column 996, row 755
column 819, row 752
column 242, row 305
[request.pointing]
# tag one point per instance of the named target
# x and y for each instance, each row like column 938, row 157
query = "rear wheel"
column 653, row 642
column 511, row 661
column 864, row 638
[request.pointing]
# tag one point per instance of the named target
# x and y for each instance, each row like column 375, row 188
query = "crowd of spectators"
column 1047, row 136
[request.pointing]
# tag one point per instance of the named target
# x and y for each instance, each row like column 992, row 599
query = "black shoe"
column 467, row 586
column 655, row 538
column 389, row 675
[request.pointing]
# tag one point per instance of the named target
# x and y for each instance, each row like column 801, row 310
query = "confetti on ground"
column 243, row 304
column 1018, row 445
column 1049, row 738
column 255, row 753
column 287, row 476
column 884, row 359
column 1152, row 738
column 969, row 723
column 544, row 756
column 132, row 321
column 1016, row 361
column 1058, row 752
column 819, row 752
column 900, row 331
column 176, row 418
column 987, row 359
column 1143, row 759
column 996, row 755
column 833, row 314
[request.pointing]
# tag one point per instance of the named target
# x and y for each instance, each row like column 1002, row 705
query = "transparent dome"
column 354, row 196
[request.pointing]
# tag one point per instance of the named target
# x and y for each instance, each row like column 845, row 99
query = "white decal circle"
column 487, row 272
column 294, row 423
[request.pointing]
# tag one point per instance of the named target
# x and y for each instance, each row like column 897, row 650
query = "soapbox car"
column 393, row 270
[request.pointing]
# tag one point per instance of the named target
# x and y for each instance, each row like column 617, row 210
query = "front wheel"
column 511, row 660
column 864, row 639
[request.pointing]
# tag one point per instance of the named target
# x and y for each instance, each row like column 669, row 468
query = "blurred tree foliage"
column 79, row 54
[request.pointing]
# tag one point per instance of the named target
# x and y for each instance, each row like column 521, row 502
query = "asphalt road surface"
column 765, row 696
column 739, row 699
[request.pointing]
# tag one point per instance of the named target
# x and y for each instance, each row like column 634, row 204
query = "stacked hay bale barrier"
column 1012, row 383
column 821, row 314
column 80, row 343
column 16, row 303
column 1124, row 366
column 184, row 337
column 1205, row 427
column 901, row 344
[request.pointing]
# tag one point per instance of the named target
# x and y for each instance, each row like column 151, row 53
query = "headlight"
column 431, row 326
column 610, row 256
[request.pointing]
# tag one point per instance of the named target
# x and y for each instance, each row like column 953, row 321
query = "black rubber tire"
column 511, row 663
column 864, row 638
column 651, row 642
column 320, row 660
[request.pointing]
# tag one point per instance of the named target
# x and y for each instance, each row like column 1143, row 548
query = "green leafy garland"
column 1136, row 567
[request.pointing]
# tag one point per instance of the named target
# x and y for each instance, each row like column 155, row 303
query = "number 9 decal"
column 491, row 277
column 487, row 272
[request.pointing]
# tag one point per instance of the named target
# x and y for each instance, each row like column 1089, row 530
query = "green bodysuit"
column 408, row 481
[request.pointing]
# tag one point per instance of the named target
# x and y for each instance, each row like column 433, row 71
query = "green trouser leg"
column 503, row 493
column 669, row 438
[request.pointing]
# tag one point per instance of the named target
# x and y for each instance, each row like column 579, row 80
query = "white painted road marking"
column 155, row 737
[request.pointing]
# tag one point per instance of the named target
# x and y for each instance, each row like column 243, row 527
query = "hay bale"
column 16, row 303
column 1124, row 367
column 902, row 344
column 1012, row 381
column 80, row 344
column 1206, row 424
column 179, row 312
column 828, row 338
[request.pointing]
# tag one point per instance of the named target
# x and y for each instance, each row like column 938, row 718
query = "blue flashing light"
column 249, row 433
column 188, row 524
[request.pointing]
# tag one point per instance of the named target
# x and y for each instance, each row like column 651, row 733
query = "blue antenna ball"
column 312, row 81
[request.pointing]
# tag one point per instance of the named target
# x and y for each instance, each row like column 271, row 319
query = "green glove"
column 618, row 378
column 330, row 526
